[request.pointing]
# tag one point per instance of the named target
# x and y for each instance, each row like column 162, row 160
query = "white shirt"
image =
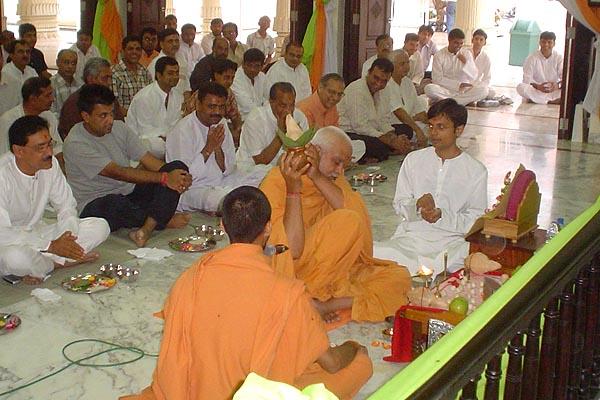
column 427, row 51
column 367, row 65
column 359, row 111
column 484, row 66
column 539, row 69
column 23, row 199
column 265, row 44
column 185, row 144
column 458, row 187
column 7, row 119
column 207, row 42
column 82, row 59
column 192, row 54
column 298, row 77
column 147, row 115
column 258, row 132
column 448, row 71
column 184, row 75
column 403, row 95
column 249, row 95
column 10, row 70
column 416, row 71
column 10, row 93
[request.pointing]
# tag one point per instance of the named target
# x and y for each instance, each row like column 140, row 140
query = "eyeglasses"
column 42, row 147
column 332, row 92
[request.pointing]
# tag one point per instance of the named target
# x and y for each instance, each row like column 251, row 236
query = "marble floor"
column 502, row 138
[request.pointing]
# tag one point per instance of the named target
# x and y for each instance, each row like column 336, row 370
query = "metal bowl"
column 111, row 269
column 128, row 274
column 218, row 234
column 204, row 230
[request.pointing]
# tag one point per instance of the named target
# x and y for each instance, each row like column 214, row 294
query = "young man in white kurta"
column 25, row 237
column 155, row 109
column 188, row 49
column 259, row 131
column 169, row 42
column 216, row 29
column 290, row 69
column 250, row 83
column 542, row 73
column 85, row 51
column 440, row 192
column 191, row 141
column 453, row 72
column 18, row 68
column 482, row 62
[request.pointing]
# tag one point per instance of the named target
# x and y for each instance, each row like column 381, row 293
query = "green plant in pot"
column 294, row 140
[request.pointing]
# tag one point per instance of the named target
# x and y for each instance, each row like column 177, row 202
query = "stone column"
column 44, row 15
column 468, row 16
column 210, row 9
column 169, row 8
column 281, row 24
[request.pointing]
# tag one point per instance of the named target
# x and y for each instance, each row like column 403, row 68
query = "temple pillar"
column 281, row 24
column 169, row 8
column 468, row 17
column 210, row 9
column 43, row 14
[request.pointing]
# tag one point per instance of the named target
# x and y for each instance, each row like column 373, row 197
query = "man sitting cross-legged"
column 327, row 227
column 98, row 152
column 204, row 142
column 441, row 191
column 263, row 323
column 155, row 109
column 30, row 179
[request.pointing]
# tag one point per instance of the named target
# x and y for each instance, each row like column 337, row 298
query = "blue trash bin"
column 524, row 40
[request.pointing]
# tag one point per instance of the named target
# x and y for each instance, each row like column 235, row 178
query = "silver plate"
column 89, row 283
column 192, row 244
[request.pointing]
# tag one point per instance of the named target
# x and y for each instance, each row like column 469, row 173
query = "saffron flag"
column 108, row 31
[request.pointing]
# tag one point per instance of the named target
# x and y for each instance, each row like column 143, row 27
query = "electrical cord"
column 139, row 354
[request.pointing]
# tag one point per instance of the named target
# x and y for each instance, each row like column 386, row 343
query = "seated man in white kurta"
column 453, row 72
column 482, row 62
column 542, row 73
column 290, row 69
column 155, row 109
column 169, row 44
column 203, row 141
column 384, row 45
column 259, row 143
column 30, row 179
column 440, row 192
column 249, row 84
column 37, row 97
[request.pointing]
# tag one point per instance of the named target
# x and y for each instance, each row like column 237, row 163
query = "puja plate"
column 193, row 244
column 89, row 283
column 8, row 323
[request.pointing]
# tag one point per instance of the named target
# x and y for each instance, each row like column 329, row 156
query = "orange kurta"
column 316, row 114
column 229, row 315
column 337, row 260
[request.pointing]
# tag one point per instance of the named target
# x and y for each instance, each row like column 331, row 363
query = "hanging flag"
column 108, row 31
column 314, row 43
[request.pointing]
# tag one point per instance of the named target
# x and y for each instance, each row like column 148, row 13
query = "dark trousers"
column 375, row 148
column 403, row 129
column 427, row 75
column 131, row 211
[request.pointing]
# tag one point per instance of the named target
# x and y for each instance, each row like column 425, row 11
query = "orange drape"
column 591, row 14
column 111, row 29
column 316, row 70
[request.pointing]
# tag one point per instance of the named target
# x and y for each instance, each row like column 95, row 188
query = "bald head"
column 336, row 150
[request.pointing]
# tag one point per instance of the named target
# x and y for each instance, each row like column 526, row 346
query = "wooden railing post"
column 565, row 330
column 469, row 392
column 593, row 305
column 512, row 389
column 532, row 358
column 547, row 370
column 493, row 374
column 581, row 284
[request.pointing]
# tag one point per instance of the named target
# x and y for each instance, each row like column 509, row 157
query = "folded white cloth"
column 152, row 254
column 45, row 295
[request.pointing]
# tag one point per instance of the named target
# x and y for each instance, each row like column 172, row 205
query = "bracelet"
column 293, row 195
column 163, row 179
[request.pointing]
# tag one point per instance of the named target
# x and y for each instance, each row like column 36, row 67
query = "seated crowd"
column 196, row 127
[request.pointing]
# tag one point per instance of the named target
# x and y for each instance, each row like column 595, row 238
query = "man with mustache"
column 18, row 67
column 30, row 179
column 203, row 141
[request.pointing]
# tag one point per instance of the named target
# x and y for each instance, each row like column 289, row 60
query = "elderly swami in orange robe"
column 328, row 230
column 230, row 314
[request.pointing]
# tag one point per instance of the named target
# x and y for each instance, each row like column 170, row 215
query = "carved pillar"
column 169, row 8
column 44, row 15
column 210, row 9
column 281, row 23
column 468, row 16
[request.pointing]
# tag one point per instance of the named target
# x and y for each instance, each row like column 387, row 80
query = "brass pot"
column 298, row 152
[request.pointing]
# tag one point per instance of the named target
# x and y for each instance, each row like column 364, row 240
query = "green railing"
column 559, row 285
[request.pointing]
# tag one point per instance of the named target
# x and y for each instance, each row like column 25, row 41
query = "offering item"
column 8, row 323
column 193, row 244
column 294, row 140
column 371, row 179
column 125, row 274
column 516, row 212
column 89, row 283
column 209, row 232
